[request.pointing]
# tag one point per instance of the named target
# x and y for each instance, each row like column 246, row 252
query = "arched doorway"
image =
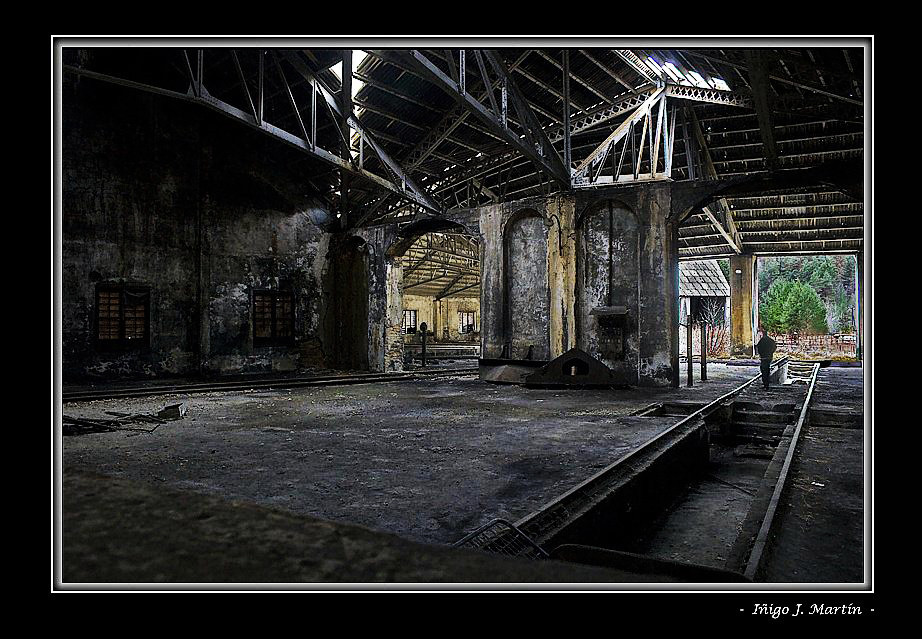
column 440, row 287
column 348, row 324
column 526, row 302
column 608, row 281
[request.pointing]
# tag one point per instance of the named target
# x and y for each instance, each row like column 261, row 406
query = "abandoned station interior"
column 462, row 316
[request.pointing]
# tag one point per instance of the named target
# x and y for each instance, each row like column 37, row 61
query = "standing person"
column 766, row 348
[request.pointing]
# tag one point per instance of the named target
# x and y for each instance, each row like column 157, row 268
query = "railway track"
column 262, row 384
column 611, row 518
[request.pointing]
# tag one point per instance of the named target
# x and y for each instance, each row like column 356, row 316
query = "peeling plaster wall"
column 659, row 286
column 384, row 346
column 609, row 275
column 526, row 301
column 491, row 283
column 167, row 196
column 645, row 278
column 562, row 274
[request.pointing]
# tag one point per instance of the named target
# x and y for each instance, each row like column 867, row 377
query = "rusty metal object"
column 576, row 367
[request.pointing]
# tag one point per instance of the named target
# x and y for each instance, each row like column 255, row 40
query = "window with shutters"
column 122, row 316
column 273, row 318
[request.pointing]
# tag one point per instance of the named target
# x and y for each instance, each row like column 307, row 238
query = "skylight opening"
column 358, row 56
column 719, row 84
column 655, row 66
column 675, row 74
column 697, row 80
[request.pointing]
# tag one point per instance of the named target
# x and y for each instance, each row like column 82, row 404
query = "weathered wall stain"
column 609, row 275
column 526, row 301
column 204, row 212
column 200, row 211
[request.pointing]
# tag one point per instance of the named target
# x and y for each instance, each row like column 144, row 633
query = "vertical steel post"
column 704, row 352
column 462, row 76
column 688, row 349
column 346, row 107
column 313, row 113
column 423, row 327
column 200, row 71
column 262, row 65
column 567, row 149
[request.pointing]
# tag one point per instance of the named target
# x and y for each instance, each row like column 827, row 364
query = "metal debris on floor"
column 122, row 421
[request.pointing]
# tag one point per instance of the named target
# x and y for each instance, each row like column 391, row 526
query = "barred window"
column 465, row 322
column 273, row 317
column 122, row 316
column 409, row 322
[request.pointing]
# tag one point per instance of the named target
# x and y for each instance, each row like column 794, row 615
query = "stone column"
column 743, row 296
column 492, row 281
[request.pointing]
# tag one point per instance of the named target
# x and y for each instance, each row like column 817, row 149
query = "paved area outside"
column 428, row 460
column 820, row 531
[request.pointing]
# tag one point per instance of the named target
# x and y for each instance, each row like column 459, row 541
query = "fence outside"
column 842, row 344
column 838, row 345
column 718, row 340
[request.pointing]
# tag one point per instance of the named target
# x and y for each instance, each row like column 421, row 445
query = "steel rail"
column 756, row 556
column 262, row 384
column 591, row 490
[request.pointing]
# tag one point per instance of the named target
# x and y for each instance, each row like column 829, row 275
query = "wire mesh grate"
column 502, row 537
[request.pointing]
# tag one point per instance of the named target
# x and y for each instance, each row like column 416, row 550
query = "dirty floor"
column 427, row 460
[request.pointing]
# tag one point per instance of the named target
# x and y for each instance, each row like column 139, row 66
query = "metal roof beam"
column 435, row 75
column 758, row 79
column 608, row 70
column 406, row 184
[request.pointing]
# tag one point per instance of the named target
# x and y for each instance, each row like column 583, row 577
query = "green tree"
column 842, row 311
column 725, row 267
column 805, row 311
column 792, row 307
column 771, row 307
column 832, row 277
column 820, row 273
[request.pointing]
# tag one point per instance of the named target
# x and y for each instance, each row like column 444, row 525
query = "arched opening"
column 608, row 285
column 526, row 301
column 439, row 287
column 348, row 324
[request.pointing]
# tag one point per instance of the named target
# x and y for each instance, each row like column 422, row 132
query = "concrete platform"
column 820, row 527
column 429, row 461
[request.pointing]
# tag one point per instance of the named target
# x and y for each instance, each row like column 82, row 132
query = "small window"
column 273, row 318
column 409, row 322
column 465, row 322
column 122, row 316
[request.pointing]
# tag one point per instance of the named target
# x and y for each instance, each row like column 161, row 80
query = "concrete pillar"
column 743, row 299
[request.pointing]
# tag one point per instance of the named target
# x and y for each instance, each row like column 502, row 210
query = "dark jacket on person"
column 766, row 347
